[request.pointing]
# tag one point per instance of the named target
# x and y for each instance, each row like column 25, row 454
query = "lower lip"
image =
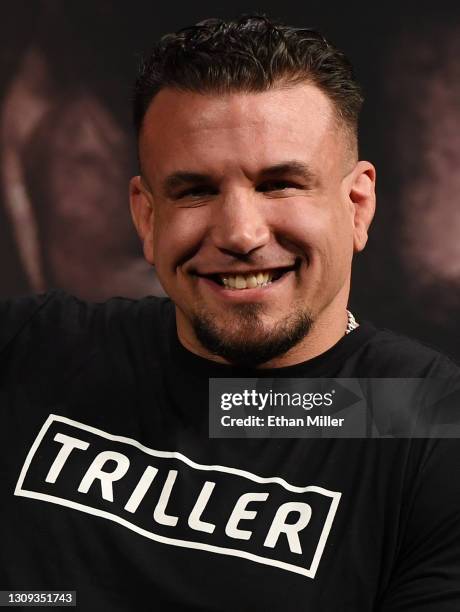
column 245, row 295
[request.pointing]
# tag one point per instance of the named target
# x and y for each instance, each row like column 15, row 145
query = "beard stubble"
column 250, row 344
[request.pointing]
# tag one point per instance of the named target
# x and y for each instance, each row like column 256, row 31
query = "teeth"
column 251, row 281
column 261, row 279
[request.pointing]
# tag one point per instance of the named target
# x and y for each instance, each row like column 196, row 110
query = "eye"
column 200, row 191
column 268, row 186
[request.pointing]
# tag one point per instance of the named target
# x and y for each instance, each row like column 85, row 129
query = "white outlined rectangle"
column 306, row 571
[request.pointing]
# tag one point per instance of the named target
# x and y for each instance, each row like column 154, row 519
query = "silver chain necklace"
column 351, row 323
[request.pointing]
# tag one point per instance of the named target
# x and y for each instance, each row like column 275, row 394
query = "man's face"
column 245, row 209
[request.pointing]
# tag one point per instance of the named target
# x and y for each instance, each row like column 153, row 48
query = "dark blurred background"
column 67, row 148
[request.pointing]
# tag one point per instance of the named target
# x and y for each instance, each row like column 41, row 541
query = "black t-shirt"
column 111, row 486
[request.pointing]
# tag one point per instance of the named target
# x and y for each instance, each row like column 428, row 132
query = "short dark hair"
column 250, row 54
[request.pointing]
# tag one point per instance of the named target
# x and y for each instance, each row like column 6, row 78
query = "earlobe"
column 142, row 213
column 362, row 196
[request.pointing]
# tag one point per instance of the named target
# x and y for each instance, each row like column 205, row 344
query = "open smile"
column 247, row 282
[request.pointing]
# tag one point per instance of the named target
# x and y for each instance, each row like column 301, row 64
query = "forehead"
column 205, row 130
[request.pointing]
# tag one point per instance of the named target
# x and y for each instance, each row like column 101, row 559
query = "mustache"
column 242, row 265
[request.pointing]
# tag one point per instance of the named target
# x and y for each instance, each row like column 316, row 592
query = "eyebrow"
column 179, row 179
column 293, row 168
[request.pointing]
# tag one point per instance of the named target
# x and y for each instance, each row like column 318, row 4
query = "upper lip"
column 246, row 271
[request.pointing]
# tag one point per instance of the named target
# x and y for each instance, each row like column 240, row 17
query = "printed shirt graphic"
column 167, row 497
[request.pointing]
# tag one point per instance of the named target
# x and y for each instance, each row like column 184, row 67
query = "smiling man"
column 251, row 202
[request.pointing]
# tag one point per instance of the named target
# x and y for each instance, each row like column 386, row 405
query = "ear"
column 141, row 204
column 362, row 197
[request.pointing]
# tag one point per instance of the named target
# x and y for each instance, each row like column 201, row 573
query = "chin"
column 248, row 341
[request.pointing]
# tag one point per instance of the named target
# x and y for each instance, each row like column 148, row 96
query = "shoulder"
column 390, row 354
column 59, row 315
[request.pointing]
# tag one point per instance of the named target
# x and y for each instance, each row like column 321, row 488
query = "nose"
column 240, row 225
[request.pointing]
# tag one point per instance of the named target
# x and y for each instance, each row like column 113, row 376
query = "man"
column 251, row 202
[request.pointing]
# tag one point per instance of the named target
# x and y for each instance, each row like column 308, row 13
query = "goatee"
column 251, row 345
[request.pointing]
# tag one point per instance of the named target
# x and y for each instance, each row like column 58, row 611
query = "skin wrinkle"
column 180, row 179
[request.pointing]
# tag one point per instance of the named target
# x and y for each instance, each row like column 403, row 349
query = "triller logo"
column 167, row 497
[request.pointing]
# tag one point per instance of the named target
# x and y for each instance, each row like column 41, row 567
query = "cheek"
column 177, row 234
column 340, row 234
column 323, row 232
column 312, row 225
column 340, row 245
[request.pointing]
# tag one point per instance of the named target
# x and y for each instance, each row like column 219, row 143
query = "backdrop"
column 67, row 148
